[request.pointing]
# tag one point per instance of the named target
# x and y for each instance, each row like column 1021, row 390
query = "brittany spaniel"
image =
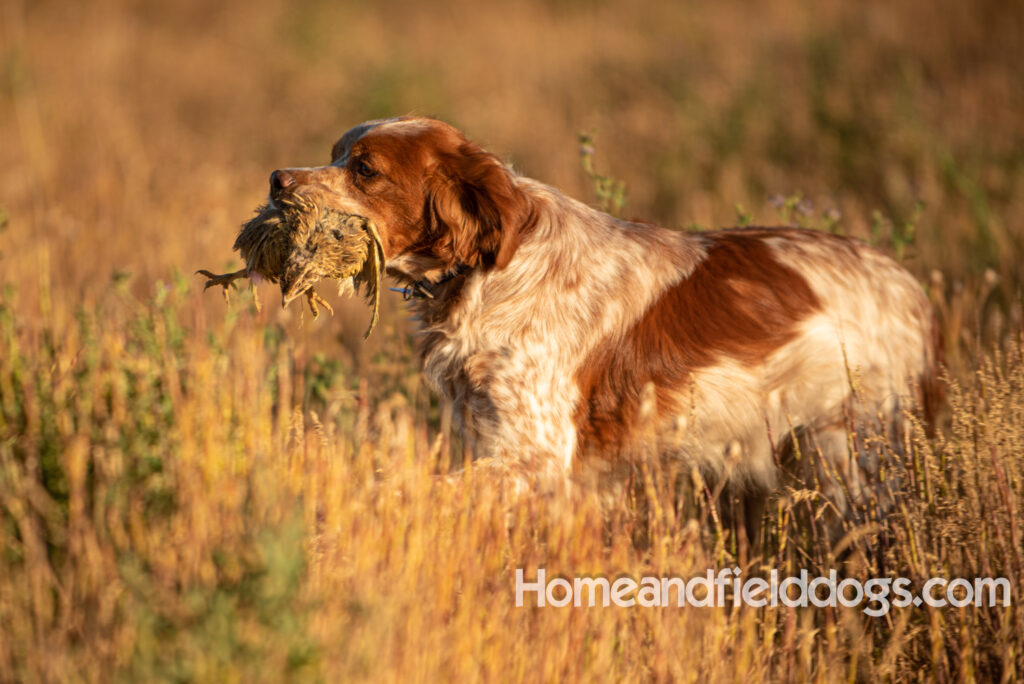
column 568, row 339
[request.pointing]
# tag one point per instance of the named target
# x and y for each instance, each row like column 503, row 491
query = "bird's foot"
column 226, row 280
column 313, row 298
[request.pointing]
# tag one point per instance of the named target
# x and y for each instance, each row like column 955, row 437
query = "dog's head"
column 438, row 200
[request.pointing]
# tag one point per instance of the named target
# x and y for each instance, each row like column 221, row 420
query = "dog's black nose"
column 281, row 181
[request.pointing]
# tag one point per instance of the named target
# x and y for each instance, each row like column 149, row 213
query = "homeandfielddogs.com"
column 727, row 587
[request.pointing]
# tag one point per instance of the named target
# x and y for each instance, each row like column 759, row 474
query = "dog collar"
column 423, row 289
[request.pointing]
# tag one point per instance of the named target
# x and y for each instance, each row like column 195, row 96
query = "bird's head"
column 322, row 243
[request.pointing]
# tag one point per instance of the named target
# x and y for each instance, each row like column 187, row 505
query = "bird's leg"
column 255, row 296
column 315, row 299
column 226, row 280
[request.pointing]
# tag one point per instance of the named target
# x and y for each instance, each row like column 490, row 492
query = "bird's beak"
column 298, row 277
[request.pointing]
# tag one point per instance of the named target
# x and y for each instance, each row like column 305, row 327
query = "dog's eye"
column 365, row 170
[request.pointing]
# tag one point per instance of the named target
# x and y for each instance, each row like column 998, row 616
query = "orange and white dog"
column 566, row 333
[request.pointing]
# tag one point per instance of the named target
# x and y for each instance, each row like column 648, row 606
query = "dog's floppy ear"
column 475, row 211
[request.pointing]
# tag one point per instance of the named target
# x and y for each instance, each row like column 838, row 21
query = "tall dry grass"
column 195, row 501
column 190, row 491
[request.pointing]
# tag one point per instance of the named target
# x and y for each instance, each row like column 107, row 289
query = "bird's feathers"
column 300, row 241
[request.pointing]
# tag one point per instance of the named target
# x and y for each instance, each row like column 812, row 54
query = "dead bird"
column 300, row 241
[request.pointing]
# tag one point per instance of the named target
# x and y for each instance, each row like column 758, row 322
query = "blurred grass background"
column 195, row 492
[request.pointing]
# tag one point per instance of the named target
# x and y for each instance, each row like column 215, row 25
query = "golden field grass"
column 197, row 492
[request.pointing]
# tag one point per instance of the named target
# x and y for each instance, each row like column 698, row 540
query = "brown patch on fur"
column 738, row 303
column 476, row 213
